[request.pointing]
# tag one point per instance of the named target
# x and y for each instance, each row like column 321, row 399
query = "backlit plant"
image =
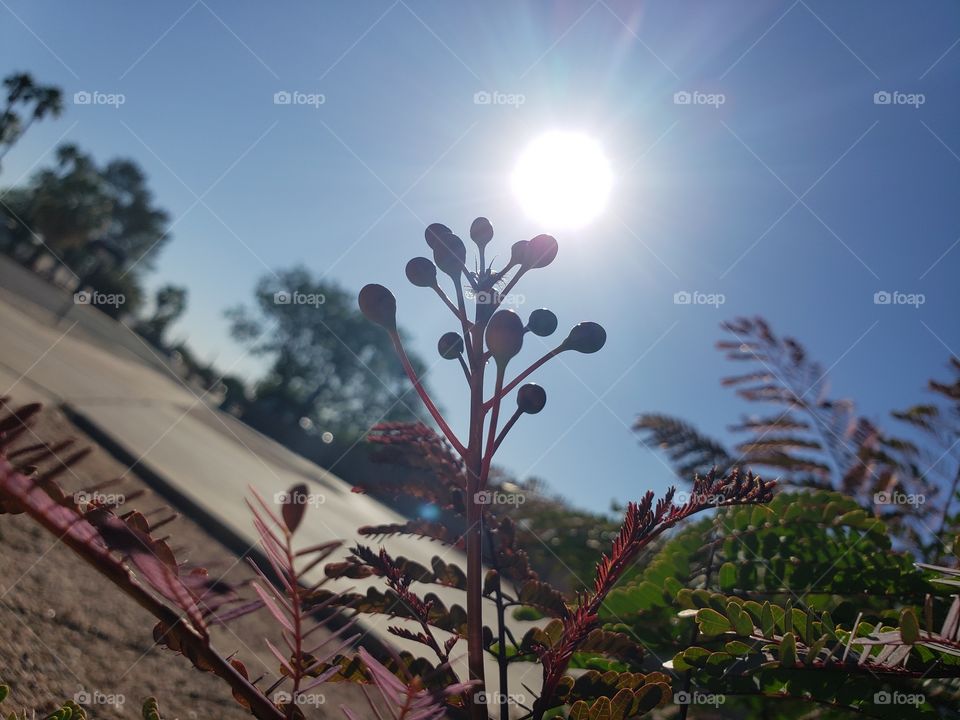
column 495, row 334
column 187, row 602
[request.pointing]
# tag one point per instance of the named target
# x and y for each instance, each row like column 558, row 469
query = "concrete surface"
column 206, row 457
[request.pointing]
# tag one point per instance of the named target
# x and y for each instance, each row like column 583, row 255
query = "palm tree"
column 38, row 101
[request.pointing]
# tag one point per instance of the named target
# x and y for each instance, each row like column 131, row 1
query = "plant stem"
column 421, row 391
column 501, row 633
column 474, row 537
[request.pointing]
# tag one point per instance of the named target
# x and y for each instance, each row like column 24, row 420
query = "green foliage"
column 750, row 642
column 78, row 203
column 328, row 365
column 70, row 710
column 750, row 601
column 560, row 541
column 151, row 709
column 614, row 695
column 170, row 302
column 26, row 103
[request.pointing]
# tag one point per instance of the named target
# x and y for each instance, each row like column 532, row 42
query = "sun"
column 563, row 180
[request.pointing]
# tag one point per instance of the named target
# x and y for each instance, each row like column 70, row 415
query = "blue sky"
column 798, row 198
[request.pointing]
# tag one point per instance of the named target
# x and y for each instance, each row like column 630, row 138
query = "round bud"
column 435, row 230
column 542, row 322
column 450, row 345
column 421, row 272
column 541, row 251
column 518, row 252
column 531, row 398
column 504, row 335
column 449, row 253
column 585, row 337
column 379, row 305
column 481, row 231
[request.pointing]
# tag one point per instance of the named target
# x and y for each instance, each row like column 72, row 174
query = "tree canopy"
column 329, row 368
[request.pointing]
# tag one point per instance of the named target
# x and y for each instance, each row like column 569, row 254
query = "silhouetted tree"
column 100, row 221
column 330, row 368
column 170, row 302
column 26, row 102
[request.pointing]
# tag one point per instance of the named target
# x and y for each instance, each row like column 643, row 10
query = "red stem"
column 446, row 301
column 421, row 391
column 520, row 378
column 473, row 535
column 492, row 431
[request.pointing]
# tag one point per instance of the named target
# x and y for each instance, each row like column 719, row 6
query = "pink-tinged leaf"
column 279, row 656
column 267, row 536
column 153, row 560
column 266, row 508
column 274, row 609
column 294, row 506
column 267, row 581
column 385, row 680
column 325, row 547
column 344, row 643
column 321, row 678
column 349, row 713
column 221, row 618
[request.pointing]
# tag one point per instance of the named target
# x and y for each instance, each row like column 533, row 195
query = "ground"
column 67, row 631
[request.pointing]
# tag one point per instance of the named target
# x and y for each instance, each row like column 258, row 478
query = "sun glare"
column 563, row 180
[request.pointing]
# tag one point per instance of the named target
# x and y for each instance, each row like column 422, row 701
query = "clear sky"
column 799, row 197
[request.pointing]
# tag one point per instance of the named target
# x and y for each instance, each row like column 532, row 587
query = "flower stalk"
column 492, row 334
